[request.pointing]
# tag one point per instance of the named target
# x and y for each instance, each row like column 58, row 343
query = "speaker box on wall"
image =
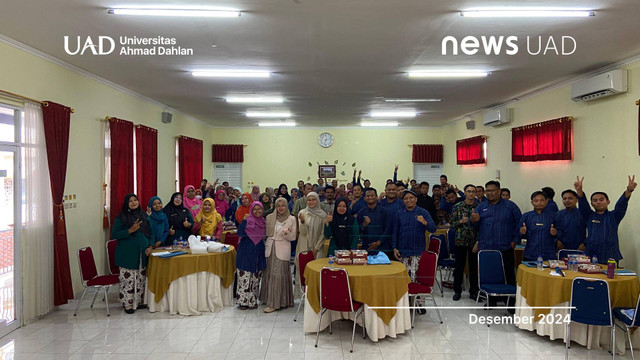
column 471, row 124
column 166, row 117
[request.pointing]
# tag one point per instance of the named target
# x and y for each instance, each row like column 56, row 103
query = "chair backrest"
column 303, row 258
column 426, row 273
column 565, row 252
column 232, row 239
column 592, row 302
column 636, row 318
column 451, row 240
column 87, row 264
column 490, row 267
column 435, row 242
column 111, row 257
column 335, row 292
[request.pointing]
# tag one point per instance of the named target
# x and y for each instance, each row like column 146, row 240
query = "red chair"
column 425, row 279
column 303, row 258
column 232, row 239
column 91, row 279
column 335, row 295
column 435, row 242
column 111, row 257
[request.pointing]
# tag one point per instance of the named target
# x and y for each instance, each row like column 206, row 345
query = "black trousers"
column 509, row 262
column 462, row 253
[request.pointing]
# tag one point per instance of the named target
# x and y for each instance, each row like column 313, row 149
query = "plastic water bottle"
column 331, row 261
column 540, row 263
column 175, row 244
column 594, row 260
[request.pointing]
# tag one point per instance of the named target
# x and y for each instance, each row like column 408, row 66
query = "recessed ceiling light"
column 447, row 74
column 273, row 124
column 255, row 99
column 410, row 100
column 379, row 124
column 175, row 12
column 232, row 73
column 527, row 12
column 393, row 113
column 268, row 114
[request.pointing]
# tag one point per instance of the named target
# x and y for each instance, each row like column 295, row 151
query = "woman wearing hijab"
column 133, row 231
column 311, row 236
column 276, row 289
column 294, row 198
column 209, row 219
column 250, row 260
column 255, row 193
column 221, row 204
column 180, row 220
column 283, row 191
column 341, row 228
column 267, row 204
column 190, row 200
column 159, row 222
column 244, row 208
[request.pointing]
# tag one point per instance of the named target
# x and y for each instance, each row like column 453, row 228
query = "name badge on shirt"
column 539, row 224
column 596, row 221
column 485, row 209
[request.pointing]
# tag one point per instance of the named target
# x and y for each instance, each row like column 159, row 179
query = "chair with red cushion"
column 335, row 295
column 425, row 279
column 303, row 258
column 91, row 279
column 435, row 243
column 111, row 257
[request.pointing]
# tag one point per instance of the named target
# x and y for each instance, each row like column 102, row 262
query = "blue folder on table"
column 532, row 264
column 170, row 255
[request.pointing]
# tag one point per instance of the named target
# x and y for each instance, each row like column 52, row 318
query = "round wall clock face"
column 325, row 139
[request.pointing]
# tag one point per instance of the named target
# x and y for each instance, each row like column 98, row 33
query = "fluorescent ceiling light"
column 273, row 124
column 175, row 12
column 268, row 114
column 393, row 113
column 254, row 99
column 527, row 12
column 411, row 100
column 447, row 74
column 232, row 73
column 368, row 123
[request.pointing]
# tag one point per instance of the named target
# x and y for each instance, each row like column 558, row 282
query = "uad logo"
column 104, row 46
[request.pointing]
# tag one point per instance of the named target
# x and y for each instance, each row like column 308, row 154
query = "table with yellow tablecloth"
column 373, row 285
column 189, row 284
column 538, row 288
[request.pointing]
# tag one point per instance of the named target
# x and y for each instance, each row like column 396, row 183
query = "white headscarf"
column 316, row 210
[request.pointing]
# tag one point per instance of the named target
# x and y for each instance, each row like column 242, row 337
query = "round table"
column 373, row 285
column 538, row 288
column 188, row 284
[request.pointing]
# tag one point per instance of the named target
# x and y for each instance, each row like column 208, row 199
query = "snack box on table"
column 557, row 263
column 342, row 257
column 359, row 257
column 589, row 268
column 582, row 259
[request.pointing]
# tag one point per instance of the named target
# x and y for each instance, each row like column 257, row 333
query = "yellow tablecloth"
column 161, row 272
column 440, row 231
column 374, row 285
column 541, row 289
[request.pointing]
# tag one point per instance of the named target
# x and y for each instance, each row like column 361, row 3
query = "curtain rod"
column 28, row 98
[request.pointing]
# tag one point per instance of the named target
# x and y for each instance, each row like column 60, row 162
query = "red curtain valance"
column 548, row 140
column 227, row 153
column 57, row 123
column 471, row 150
column 189, row 161
column 427, row 153
column 146, row 164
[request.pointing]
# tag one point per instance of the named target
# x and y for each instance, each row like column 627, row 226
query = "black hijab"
column 176, row 214
column 285, row 195
column 341, row 226
column 128, row 216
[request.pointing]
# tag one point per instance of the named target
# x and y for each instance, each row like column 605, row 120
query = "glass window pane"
column 7, row 123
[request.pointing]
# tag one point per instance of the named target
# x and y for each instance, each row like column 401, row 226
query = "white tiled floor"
column 235, row 334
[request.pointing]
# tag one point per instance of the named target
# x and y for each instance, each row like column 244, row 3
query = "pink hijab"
column 256, row 226
column 221, row 204
column 193, row 205
column 255, row 197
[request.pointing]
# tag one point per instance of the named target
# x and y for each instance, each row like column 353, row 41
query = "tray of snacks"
column 589, row 268
column 359, row 257
column 583, row 259
column 557, row 264
column 342, row 257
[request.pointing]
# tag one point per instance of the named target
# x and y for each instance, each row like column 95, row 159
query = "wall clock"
column 325, row 139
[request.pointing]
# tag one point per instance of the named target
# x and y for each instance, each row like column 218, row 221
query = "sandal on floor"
column 268, row 310
column 243, row 307
column 129, row 311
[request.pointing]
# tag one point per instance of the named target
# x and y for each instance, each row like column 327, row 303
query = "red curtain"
column 57, row 121
column 146, row 164
column 189, row 162
column 549, row 140
column 121, row 180
column 427, row 153
column 471, row 150
column 227, row 153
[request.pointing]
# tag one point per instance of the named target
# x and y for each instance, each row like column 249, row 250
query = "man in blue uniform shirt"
column 391, row 201
column 569, row 225
column 602, row 224
column 536, row 228
column 375, row 224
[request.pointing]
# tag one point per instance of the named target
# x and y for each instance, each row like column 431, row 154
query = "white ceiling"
column 333, row 60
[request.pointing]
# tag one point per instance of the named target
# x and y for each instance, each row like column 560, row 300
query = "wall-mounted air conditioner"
column 497, row 116
column 609, row 83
